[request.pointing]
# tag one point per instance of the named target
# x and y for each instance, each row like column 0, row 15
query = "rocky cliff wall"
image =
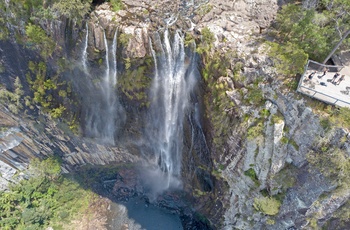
column 23, row 139
column 271, row 160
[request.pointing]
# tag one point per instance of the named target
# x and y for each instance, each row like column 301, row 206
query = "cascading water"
column 170, row 94
column 84, row 60
column 102, row 108
column 114, row 53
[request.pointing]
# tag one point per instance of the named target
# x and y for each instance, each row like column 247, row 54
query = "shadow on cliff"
column 123, row 184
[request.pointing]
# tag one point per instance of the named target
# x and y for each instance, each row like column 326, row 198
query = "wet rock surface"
column 227, row 200
column 122, row 185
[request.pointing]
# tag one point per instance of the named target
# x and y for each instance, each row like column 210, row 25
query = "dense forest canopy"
column 308, row 30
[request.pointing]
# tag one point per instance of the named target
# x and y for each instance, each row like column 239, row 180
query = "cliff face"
column 266, row 149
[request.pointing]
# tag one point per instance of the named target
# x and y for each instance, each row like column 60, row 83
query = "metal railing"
column 312, row 65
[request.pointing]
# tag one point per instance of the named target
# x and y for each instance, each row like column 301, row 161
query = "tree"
column 50, row 167
column 289, row 59
column 76, row 9
column 37, row 36
column 315, row 30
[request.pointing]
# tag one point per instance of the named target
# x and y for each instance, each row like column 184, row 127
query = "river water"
column 137, row 214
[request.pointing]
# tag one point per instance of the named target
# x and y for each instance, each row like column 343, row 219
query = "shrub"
column 270, row 221
column 288, row 58
column 252, row 175
column 76, row 9
column 333, row 163
column 325, row 123
column 254, row 96
column 342, row 117
column 57, row 112
column 267, row 205
column 124, row 39
column 207, row 41
column 116, row 5
column 264, row 113
column 277, row 118
column 255, row 130
column 37, row 36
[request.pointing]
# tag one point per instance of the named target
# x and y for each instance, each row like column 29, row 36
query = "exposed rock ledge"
column 23, row 139
column 234, row 23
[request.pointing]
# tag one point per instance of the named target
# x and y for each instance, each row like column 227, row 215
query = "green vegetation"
column 314, row 30
column 267, row 205
column 4, row 32
column 332, row 162
column 124, row 39
column 204, row 9
column 256, row 129
column 277, row 118
column 116, row 5
column 135, row 82
column 37, row 36
column 343, row 213
column 288, row 58
column 189, row 39
column 286, row 177
column 13, row 100
column 75, row 9
column 294, row 144
column 46, row 199
column 270, row 221
column 252, row 175
column 33, row 15
column 254, row 95
column 220, row 109
column 264, row 113
column 331, row 116
column 47, row 90
column 341, row 117
column 207, row 41
column 198, row 193
column 37, row 10
column 301, row 33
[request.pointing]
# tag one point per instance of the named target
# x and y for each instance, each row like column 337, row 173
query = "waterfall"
column 106, row 56
column 103, row 112
column 114, row 50
column 170, row 99
column 85, row 49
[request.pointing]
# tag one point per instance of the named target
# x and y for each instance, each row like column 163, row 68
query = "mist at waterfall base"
column 175, row 76
column 162, row 141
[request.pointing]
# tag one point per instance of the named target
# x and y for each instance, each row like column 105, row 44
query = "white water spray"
column 170, row 93
column 114, row 53
column 103, row 111
column 85, row 53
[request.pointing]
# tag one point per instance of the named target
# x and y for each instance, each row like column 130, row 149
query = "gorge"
column 172, row 115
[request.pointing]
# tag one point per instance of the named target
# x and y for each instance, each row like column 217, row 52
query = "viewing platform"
column 322, row 88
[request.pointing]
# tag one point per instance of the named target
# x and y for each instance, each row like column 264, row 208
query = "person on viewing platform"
column 335, row 77
column 325, row 70
column 311, row 75
column 340, row 79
